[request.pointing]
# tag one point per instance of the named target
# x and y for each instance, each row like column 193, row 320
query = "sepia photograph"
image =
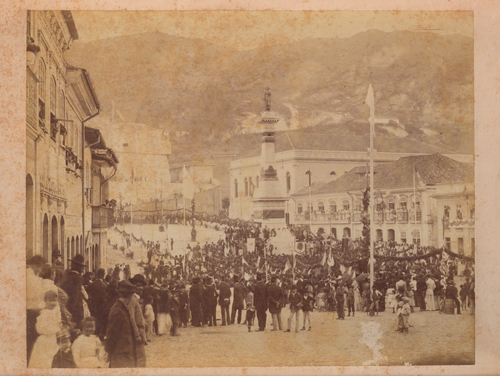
column 275, row 188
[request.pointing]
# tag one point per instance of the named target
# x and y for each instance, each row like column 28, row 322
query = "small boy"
column 307, row 307
column 375, row 298
column 295, row 307
column 350, row 302
column 64, row 357
column 250, row 308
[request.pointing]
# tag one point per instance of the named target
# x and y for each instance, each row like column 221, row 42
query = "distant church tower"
column 269, row 199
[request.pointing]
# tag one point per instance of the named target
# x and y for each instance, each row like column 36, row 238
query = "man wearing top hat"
column 224, row 298
column 97, row 301
column 120, row 341
column 238, row 300
column 210, row 296
column 195, row 299
column 72, row 284
column 138, row 322
column 275, row 301
column 260, row 301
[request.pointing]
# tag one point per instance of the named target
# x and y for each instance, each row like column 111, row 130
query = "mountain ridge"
column 422, row 79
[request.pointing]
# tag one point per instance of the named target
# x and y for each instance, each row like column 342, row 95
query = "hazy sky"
column 250, row 29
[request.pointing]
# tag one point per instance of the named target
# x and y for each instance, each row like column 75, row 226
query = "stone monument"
column 269, row 199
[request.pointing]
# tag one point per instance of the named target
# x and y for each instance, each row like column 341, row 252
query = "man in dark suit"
column 260, row 301
column 210, row 296
column 119, row 342
column 195, row 299
column 97, row 302
column 72, row 285
column 224, row 298
column 275, row 300
column 451, row 293
column 238, row 300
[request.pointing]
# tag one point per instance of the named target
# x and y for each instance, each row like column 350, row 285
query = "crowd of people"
column 81, row 319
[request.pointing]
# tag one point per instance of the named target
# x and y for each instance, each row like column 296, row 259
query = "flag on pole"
column 323, row 262
column 244, row 262
column 331, row 261
column 258, row 262
column 287, row 266
column 370, row 100
column 187, row 184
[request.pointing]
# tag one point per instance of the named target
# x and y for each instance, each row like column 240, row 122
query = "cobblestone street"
column 433, row 339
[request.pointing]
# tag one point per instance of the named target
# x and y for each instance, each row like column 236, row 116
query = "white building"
column 427, row 199
column 327, row 156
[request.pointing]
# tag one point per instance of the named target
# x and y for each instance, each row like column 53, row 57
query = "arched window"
column 62, row 240
column 299, row 208
column 415, row 200
column 390, row 235
column 357, row 204
column 333, row 206
column 309, row 207
column 380, row 235
column 42, row 80
column 236, row 188
column 345, row 204
column 321, row 207
column 402, row 236
column 391, row 203
column 288, row 182
column 403, row 199
column 333, row 231
column 30, row 216
column 45, row 231
column 61, row 110
column 55, row 237
column 250, row 186
column 246, row 187
column 53, row 96
column 415, row 234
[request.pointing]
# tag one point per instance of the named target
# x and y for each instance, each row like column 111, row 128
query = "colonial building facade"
column 427, row 200
column 59, row 100
column 325, row 156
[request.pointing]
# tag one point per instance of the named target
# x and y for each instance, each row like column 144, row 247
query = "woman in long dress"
column 357, row 295
column 163, row 311
column 429, row 295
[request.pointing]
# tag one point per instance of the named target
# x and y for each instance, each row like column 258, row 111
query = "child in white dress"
column 48, row 323
column 391, row 299
column 87, row 348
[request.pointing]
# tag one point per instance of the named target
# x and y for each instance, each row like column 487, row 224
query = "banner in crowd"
column 251, row 245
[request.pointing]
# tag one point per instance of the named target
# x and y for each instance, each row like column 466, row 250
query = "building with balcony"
column 60, row 98
column 326, row 156
column 426, row 199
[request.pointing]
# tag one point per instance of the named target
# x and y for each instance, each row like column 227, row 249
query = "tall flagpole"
column 370, row 101
column 372, row 206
